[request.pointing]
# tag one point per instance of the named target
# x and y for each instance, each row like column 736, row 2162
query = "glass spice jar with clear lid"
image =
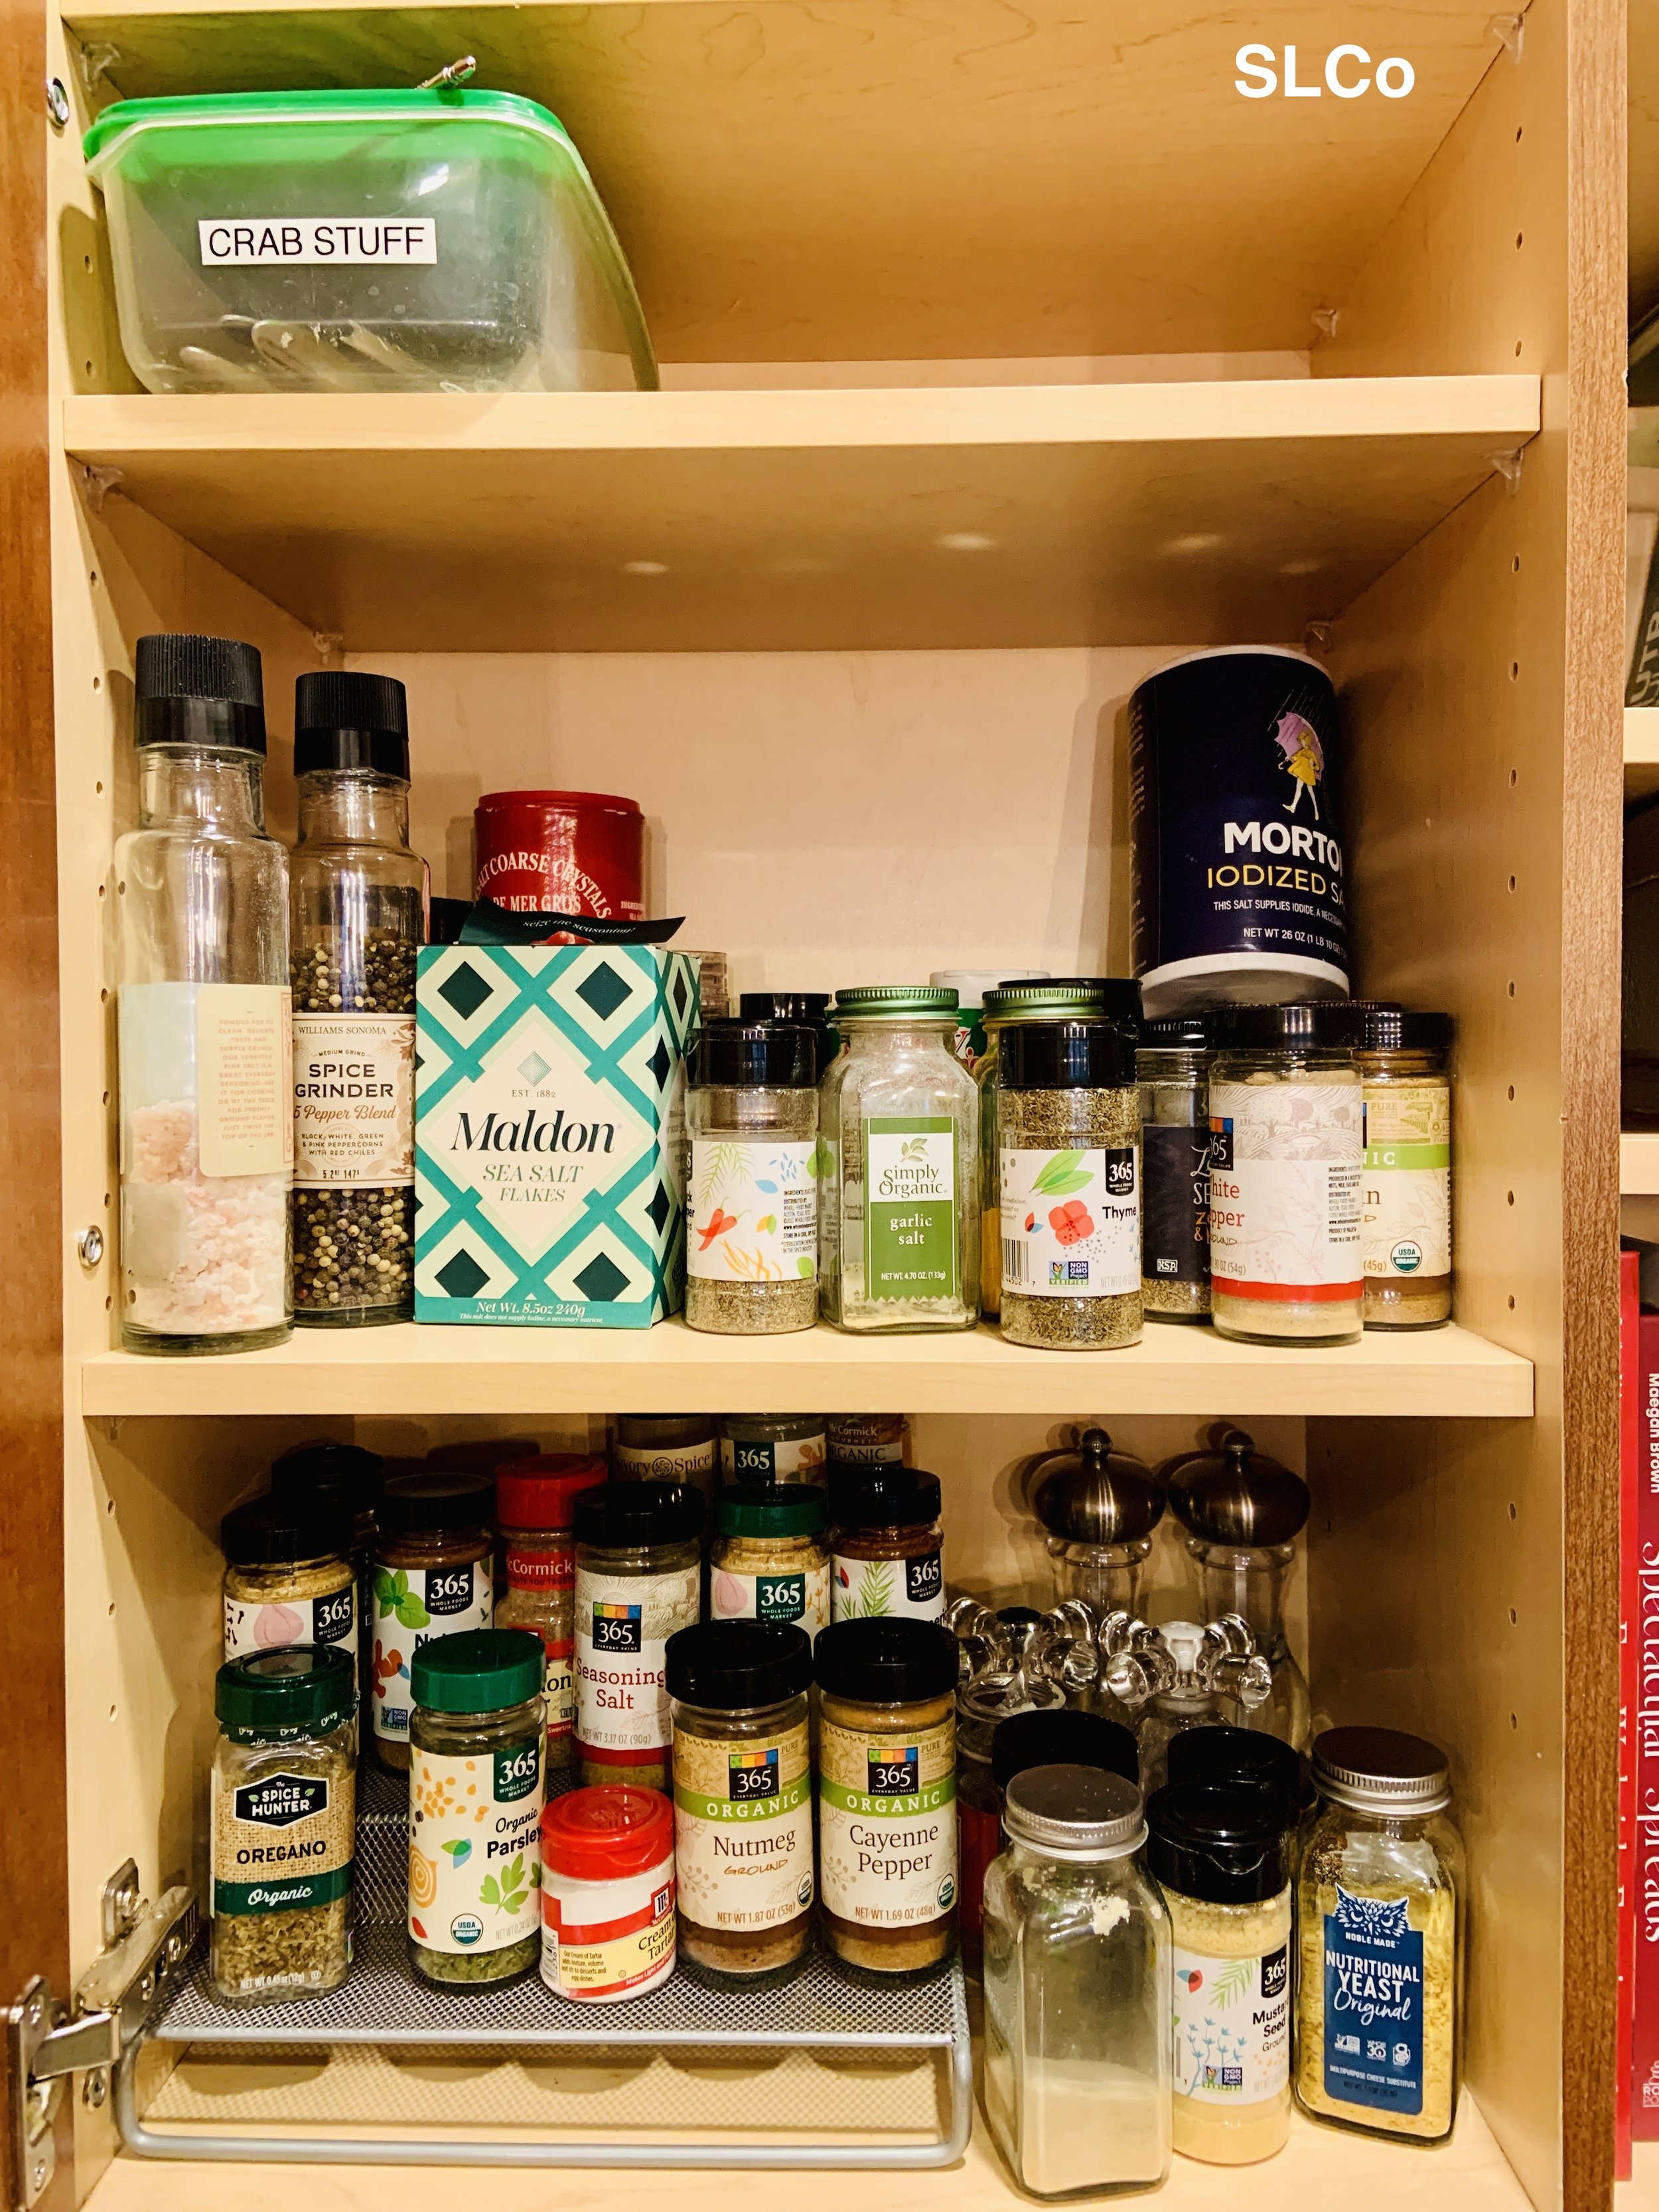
column 535, row 1510
column 432, row 1577
column 1406, row 1224
column 1173, row 1067
column 751, row 1117
column 898, row 1218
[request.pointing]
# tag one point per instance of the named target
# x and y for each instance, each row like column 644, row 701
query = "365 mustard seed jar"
column 1405, row 1225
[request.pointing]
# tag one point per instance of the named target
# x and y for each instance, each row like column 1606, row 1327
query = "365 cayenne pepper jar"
column 887, row 1554
column 432, row 1577
column 639, row 1577
column 535, row 1507
column 607, row 1893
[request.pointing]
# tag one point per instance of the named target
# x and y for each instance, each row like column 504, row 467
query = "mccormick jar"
column 868, row 1440
column 1221, row 1859
column 639, row 1575
column 357, row 914
column 431, row 1578
column 1077, row 1988
column 1379, row 1903
column 751, row 1235
column 772, row 1447
column 1072, row 998
column 898, row 1226
column 743, row 1800
column 534, row 1503
column 475, row 1808
column 887, row 1554
column 1173, row 1066
column 289, row 1576
column 887, row 1825
column 1068, row 1135
column 768, row 1562
column 560, row 852
column 1286, row 1152
column 1404, row 1230
column 284, row 1823
column 607, row 1893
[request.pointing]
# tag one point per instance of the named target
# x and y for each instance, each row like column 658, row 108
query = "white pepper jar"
column 751, row 1113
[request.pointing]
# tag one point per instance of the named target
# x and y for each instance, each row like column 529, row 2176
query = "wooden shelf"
column 1641, row 752
column 724, row 520
column 1176, row 1369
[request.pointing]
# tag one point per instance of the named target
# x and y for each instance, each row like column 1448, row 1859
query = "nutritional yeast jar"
column 607, row 1893
column 1286, row 1152
column 751, row 1228
column 887, row 1782
column 1406, row 1210
column 431, row 1577
column 638, row 1575
column 888, row 1554
column 1173, row 1065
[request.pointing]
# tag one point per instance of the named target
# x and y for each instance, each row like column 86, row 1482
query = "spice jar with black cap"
column 1220, row 1857
column 431, row 1577
column 639, row 1579
column 1221, row 1757
column 1405, row 1063
column 807, row 1010
column 1173, row 1066
column 350, row 1478
column 887, row 1550
column 288, row 1576
column 1098, row 1507
column 751, row 1114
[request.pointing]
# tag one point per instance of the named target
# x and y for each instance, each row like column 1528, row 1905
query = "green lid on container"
column 1065, row 998
column 386, row 104
column 770, row 1508
column 301, row 1689
column 483, row 1670
column 869, row 1000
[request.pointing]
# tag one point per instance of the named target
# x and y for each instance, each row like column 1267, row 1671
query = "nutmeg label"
column 743, row 1829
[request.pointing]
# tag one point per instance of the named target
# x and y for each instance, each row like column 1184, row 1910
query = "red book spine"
column 1642, row 1646
column 1629, row 1359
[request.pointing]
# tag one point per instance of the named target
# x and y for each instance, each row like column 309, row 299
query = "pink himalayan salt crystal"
column 233, row 1272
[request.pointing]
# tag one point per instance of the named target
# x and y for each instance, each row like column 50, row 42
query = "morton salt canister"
column 1236, row 782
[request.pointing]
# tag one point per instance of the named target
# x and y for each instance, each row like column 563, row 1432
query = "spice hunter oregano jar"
column 1068, row 1133
column 1406, row 1208
column 638, row 1575
column 742, row 1800
column 887, row 1815
column 768, row 1561
column 288, row 1576
column 431, row 1577
column 751, row 1114
column 1286, row 1152
column 535, row 1502
column 357, row 914
column 283, row 1823
column 1173, row 1066
column 475, row 1808
column 898, row 1220
column 887, row 1553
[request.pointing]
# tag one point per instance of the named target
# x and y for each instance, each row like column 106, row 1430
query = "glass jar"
column 1405, row 1064
column 357, row 915
column 886, row 1790
column 751, row 1225
column 1071, row 999
column 666, row 1447
column 1078, row 1989
column 607, row 1893
column 535, row 1504
column 207, row 1112
column 351, row 1479
column 1173, row 1066
column 639, row 1576
column 868, row 1440
column 284, row 1823
column 1219, row 1856
column 898, row 1227
column 772, row 1448
column 1098, row 1507
column 807, row 1010
column 289, row 1576
column 887, row 1554
column 1286, row 1152
column 971, row 985
column 1068, row 1132
column 768, row 1562
column 432, row 1578
column 475, row 1808
column 743, row 1800
column 1379, row 1906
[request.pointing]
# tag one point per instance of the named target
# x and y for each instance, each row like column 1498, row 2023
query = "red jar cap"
column 599, row 1834
column 510, row 799
column 542, row 1492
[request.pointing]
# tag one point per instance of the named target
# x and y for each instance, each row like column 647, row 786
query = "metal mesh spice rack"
column 382, row 2004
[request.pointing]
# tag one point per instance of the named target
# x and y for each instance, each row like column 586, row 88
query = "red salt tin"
column 561, row 852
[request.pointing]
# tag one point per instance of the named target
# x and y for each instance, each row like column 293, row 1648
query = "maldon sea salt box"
column 548, row 1133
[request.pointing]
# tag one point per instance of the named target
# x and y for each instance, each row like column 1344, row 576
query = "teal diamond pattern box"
column 548, row 1122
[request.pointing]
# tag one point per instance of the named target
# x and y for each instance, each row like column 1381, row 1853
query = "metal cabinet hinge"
column 145, row 1948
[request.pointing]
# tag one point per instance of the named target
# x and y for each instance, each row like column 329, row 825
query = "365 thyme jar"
column 289, row 1576
column 1405, row 1062
column 752, row 1237
column 432, row 1578
column 1173, row 1066
column 639, row 1578
column 1068, row 1135
column 887, row 1551
column 1286, row 1152
column 768, row 1561
column 535, row 1507
column 887, row 1815
column 475, row 1808
column 283, row 1823
column 742, row 1800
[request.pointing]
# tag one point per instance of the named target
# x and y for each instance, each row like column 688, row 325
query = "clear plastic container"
column 363, row 241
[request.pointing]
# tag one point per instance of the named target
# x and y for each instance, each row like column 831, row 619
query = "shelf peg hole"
column 1518, row 237
column 1515, row 670
column 1515, row 777
column 1511, row 990
column 1514, row 1721
column 1514, row 1616
column 1510, row 1197
column 1511, row 1093
column 1517, row 564
column 1512, row 1513
column 1511, row 1301
column 1511, row 883
column 112, row 1712
column 97, row 682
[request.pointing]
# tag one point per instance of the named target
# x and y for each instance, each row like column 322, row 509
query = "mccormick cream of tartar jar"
column 607, row 1893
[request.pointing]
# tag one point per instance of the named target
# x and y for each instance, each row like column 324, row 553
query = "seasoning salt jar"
column 475, row 1808
column 743, row 1800
column 1405, row 1063
column 1069, row 1136
column 431, row 1577
column 535, row 1504
column 1286, row 1153
column 639, row 1576
column 607, row 1893
column 768, row 1561
column 751, row 1113
column 289, row 1576
column 887, row 1553
column 1173, row 1066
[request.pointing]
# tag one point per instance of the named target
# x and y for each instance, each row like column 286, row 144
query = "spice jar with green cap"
column 283, row 1823
column 769, row 1562
column 475, row 1808
column 898, row 1219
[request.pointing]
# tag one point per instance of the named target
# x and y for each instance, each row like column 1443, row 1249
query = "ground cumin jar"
column 887, row 1817
column 607, row 1893
column 535, row 1504
column 1406, row 1218
column 639, row 1577
column 742, row 1800
column 886, row 1552
column 431, row 1577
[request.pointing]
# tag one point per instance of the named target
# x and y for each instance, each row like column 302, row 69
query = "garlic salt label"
column 1285, row 1189
column 1233, row 2026
column 354, row 1100
column 411, row 1606
column 910, row 1207
column 743, row 1830
column 474, row 1856
column 1071, row 1222
column 753, row 1211
column 624, row 1622
column 329, row 1620
column 1406, row 1221
column 887, row 1825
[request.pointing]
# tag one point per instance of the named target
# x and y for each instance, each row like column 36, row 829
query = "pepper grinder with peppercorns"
column 358, row 911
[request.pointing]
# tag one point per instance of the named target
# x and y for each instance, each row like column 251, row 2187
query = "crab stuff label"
column 1071, row 1222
